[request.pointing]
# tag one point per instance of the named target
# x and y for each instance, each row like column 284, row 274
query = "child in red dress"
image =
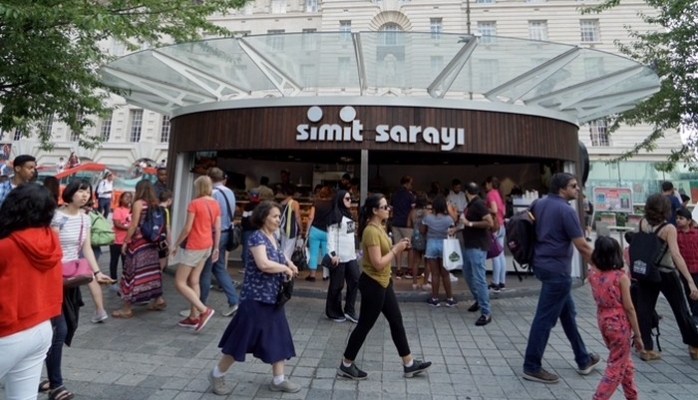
column 616, row 316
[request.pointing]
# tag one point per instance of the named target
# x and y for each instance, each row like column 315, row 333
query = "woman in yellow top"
column 377, row 294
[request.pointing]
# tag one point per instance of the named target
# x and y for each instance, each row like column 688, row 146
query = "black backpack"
column 521, row 236
column 646, row 250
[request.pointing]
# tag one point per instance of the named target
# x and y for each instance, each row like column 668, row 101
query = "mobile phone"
column 333, row 254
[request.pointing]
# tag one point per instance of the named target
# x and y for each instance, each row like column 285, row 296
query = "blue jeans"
column 245, row 248
column 55, row 352
column 499, row 263
column 317, row 241
column 555, row 302
column 474, row 274
column 220, row 270
column 104, row 206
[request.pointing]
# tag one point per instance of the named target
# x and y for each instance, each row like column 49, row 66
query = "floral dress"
column 616, row 331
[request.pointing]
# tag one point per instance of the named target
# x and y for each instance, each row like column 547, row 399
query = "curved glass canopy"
column 584, row 84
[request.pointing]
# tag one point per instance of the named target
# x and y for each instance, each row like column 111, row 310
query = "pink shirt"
column 121, row 215
column 493, row 196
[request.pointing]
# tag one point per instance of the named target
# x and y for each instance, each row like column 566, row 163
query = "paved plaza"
column 150, row 357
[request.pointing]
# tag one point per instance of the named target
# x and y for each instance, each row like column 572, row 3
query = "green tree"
column 50, row 52
column 670, row 49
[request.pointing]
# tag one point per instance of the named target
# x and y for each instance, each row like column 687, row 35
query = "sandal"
column 120, row 314
column 44, row 386
column 157, row 306
column 60, row 393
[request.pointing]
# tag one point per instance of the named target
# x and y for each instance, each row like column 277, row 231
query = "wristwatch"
column 470, row 224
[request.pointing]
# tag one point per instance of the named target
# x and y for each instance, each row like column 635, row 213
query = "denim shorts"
column 435, row 248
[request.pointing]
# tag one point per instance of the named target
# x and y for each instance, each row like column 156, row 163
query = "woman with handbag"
column 657, row 210
column 199, row 239
column 260, row 327
column 435, row 228
column 342, row 252
column 31, row 294
column 377, row 294
column 497, row 209
column 141, row 277
column 73, row 229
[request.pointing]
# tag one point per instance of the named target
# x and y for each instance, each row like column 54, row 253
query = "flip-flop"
column 60, row 393
column 44, row 386
column 121, row 314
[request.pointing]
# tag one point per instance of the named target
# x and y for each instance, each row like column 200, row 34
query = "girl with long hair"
column 203, row 217
column 497, row 209
column 377, row 294
column 341, row 247
column 141, row 277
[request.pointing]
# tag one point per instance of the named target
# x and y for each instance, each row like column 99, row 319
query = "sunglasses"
column 384, row 207
column 347, row 198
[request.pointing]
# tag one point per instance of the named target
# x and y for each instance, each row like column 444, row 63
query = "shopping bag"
column 452, row 256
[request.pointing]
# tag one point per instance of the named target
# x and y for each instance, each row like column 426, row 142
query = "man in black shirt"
column 477, row 221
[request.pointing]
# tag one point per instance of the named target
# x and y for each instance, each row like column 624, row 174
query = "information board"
column 613, row 199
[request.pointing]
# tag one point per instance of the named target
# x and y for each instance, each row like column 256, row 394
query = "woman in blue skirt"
column 259, row 327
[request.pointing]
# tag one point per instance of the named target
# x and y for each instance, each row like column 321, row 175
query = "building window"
column 436, row 65
column 74, row 136
column 105, row 129
column 276, row 39
column 278, row 6
column 47, row 126
column 345, row 31
column 117, row 48
column 487, row 29
column 535, row 1
column 390, row 35
column 311, row 6
column 538, row 30
column 589, row 29
column 344, row 71
column 436, row 27
column 598, row 132
column 310, row 40
column 17, row 135
column 165, row 130
column 484, row 1
column 136, row 125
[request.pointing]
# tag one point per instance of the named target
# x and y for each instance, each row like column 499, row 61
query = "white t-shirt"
column 104, row 189
column 60, row 166
column 340, row 239
column 69, row 233
column 458, row 200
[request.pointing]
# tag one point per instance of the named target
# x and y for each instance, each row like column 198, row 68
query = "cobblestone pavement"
column 150, row 357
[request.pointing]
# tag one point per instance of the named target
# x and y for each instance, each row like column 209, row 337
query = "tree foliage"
column 670, row 49
column 50, row 52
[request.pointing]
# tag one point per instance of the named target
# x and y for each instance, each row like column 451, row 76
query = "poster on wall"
column 613, row 199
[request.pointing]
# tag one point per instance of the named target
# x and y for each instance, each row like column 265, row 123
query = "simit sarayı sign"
column 352, row 131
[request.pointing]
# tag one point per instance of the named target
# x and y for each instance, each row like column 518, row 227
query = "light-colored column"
column 577, row 262
column 364, row 176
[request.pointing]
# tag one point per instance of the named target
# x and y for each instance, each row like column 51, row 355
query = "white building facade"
column 135, row 133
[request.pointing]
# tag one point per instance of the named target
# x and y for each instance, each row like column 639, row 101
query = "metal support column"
column 363, row 190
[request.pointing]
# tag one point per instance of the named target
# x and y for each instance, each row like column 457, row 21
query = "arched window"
column 389, row 35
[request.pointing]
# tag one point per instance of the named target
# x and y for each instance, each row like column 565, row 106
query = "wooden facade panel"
column 275, row 128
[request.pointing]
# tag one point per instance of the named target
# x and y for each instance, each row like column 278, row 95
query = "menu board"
column 613, row 199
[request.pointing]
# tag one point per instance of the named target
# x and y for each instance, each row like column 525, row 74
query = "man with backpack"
column 557, row 229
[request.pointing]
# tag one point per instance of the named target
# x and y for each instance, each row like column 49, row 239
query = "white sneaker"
column 426, row 286
column 452, row 277
column 99, row 317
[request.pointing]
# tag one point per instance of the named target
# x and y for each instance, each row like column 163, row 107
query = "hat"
column 254, row 195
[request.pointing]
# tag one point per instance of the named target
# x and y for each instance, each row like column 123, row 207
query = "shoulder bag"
column 235, row 231
column 77, row 272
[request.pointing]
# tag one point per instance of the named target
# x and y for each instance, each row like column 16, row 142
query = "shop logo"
column 331, row 132
column 446, row 138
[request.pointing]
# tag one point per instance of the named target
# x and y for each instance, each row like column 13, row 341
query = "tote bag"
column 452, row 255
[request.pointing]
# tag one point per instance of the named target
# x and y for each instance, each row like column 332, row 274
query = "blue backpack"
column 154, row 223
